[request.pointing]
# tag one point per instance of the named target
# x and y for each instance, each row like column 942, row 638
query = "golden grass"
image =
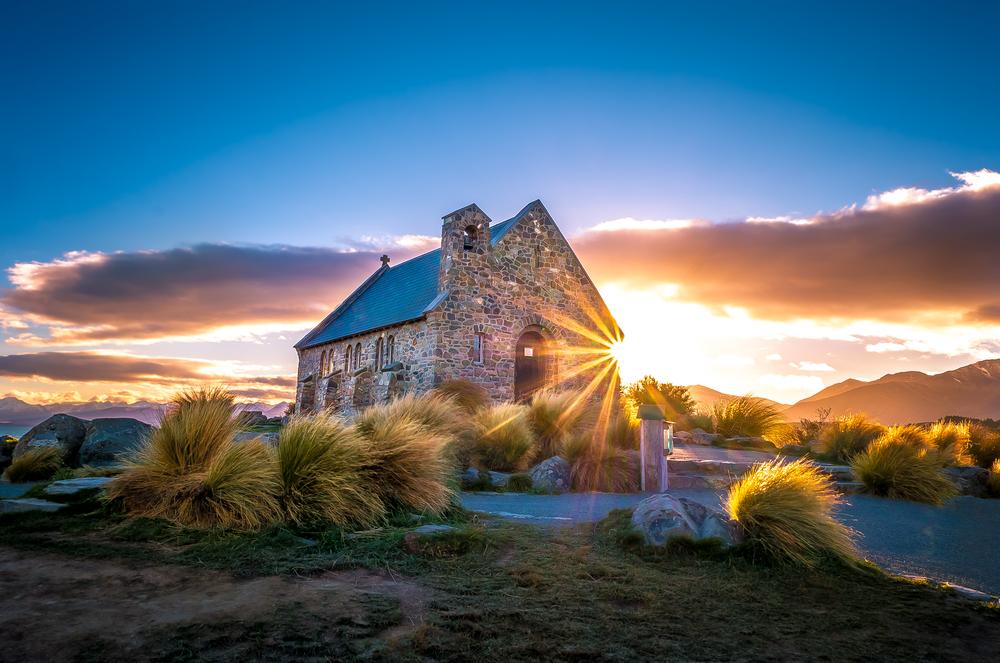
column 984, row 445
column 466, row 395
column 408, row 465
column 191, row 472
column 746, row 416
column 786, row 510
column 554, row 416
column 322, row 469
column 848, row 435
column 503, row 439
column 36, row 464
column 993, row 482
column 902, row 464
column 432, row 410
column 622, row 432
column 952, row 440
column 606, row 469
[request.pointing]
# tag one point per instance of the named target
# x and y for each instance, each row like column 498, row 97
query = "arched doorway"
column 530, row 364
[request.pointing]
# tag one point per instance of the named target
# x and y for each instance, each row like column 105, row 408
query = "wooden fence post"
column 654, row 463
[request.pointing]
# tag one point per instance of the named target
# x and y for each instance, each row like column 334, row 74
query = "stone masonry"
column 529, row 280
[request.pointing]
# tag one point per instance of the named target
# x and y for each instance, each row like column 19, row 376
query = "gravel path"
column 958, row 542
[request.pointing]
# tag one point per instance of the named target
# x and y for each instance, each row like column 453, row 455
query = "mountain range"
column 17, row 412
column 898, row 398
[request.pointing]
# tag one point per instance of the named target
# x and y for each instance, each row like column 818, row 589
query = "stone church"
column 506, row 305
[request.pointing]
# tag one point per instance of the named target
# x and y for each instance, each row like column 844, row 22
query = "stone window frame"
column 322, row 363
column 379, row 348
column 478, row 348
column 357, row 355
column 390, row 350
column 347, row 358
column 469, row 235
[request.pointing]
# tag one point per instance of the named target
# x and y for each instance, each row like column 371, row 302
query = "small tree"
column 673, row 399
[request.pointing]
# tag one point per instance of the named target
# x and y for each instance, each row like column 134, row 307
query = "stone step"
column 74, row 486
column 28, row 504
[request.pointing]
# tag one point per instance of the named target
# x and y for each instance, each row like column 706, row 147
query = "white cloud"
column 794, row 220
column 733, row 361
column 774, row 356
column 629, row 223
column 978, row 180
column 885, row 346
column 813, row 366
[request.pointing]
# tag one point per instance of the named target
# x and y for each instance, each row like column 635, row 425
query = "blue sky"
column 133, row 126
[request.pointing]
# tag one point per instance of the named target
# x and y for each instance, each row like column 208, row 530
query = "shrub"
column 36, row 464
column 786, row 511
column 673, row 399
column 849, row 435
column 782, row 435
column 897, row 465
column 191, row 472
column 503, row 438
column 519, row 483
column 746, row 416
column 984, row 445
column 952, row 440
column 622, row 432
column 321, row 465
column 432, row 410
column 467, row 395
column 553, row 416
column 408, row 465
column 604, row 468
column 993, row 483
column 700, row 420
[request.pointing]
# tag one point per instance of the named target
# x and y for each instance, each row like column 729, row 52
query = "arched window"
column 322, row 363
column 378, row 353
column 390, row 350
column 357, row 355
column 469, row 238
column 347, row 359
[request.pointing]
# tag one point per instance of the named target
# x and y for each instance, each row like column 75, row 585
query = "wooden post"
column 654, row 464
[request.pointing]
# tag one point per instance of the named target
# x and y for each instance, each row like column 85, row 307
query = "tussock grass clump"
column 952, row 441
column 503, row 438
column 322, row 468
column 984, row 445
column 993, row 482
column 786, row 511
column 900, row 464
column 746, row 416
column 622, row 432
column 408, row 465
column 190, row 471
column 604, row 468
column 434, row 411
column 467, row 395
column 554, row 416
column 519, row 483
column 36, row 464
column 848, row 435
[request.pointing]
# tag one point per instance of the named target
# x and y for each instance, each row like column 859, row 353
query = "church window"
column 390, row 350
column 357, row 355
column 347, row 358
column 478, row 350
column 469, row 238
column 378, row 353
column 322, row 363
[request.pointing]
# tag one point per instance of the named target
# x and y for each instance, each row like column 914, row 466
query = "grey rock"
column 276, row 421
column 969, row 480
column 794, row 450
column 751, row 443
column 662, row 517
column 110, row 441
column 682, row 436
column 252, row 418
column 969, row 593
column 60, row 431
column 850, row 487
column 551, row 476
column 269, row 438
column 498, row 479
column 698, row 436
column 28, row 504
column 433, row 529
column 74, row 486
column 838, row 472
column 473, row 478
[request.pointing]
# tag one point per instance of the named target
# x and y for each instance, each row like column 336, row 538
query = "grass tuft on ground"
column 746, row 416
column 554, row 416
column 786, row 511
column 470, row 397
column 848, row 435
column 901, row 464
column 503, row 438
column 36, row 464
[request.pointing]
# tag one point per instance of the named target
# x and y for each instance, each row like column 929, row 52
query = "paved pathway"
column 958, row 542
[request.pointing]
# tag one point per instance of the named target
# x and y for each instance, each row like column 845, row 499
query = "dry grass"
column 503, row 438
column 467, row 395
column 786, row 510
column 851, row 434
column 993, row 482
column 952, row 440
column 36, row 464
column 984, row 445
column 622, row 432
column 606, row 469
column 901, row 464
column 434, row 411
column 190, row 471
column 408, row 463
column 322, row 468
column 553, row 417
column 746, row 416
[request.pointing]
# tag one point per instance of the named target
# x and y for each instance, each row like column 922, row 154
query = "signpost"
column 651, row 451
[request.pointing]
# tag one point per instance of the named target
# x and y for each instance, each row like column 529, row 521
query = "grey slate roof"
column 392, row 295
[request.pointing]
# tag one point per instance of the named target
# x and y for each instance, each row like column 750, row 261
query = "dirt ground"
column 57, row 608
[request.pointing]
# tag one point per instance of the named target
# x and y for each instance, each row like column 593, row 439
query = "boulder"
column 61, row 431
column 747, row 442
column 74, row 486
column 276, row 421
column 28, row 504
column 498, row 479
column 551, row 476
column 269, row 438
column 698, row 436
column 250, row 418
column 969, row 480
column 662, row 517
column 110, row 441
column 682, row 436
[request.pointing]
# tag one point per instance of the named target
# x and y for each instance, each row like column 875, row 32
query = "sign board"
column 529, row 352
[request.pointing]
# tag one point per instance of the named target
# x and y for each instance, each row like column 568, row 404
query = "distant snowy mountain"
column 16, row 411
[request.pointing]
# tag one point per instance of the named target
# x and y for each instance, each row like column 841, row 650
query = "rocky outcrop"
column 663, row 517
column 60, row 431
column 110, row 441
column 551, row 476
column 969, row 480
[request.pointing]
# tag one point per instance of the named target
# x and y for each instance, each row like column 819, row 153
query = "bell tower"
column 465, row 246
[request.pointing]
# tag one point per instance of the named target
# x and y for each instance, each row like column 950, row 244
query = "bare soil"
column 58, row 608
